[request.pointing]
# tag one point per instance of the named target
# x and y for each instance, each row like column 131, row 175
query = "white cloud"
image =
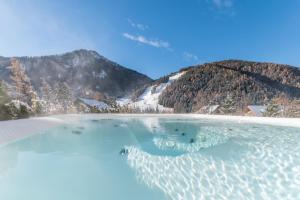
column 190, row 57
column 141, row 27
column 151, row 42
column 222, row 8
column 222, row 4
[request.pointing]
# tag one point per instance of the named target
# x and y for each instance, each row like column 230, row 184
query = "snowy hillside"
column 149, row 99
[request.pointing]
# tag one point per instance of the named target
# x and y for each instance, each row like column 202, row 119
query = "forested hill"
column 246, row 83
column 84, row 81
column 86, row 72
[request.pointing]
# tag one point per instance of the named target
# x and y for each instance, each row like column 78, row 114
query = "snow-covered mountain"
column 89, row 74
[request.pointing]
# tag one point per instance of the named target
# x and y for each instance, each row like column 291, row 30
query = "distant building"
column 255, row 110
column 213, row 109
column 91, row 105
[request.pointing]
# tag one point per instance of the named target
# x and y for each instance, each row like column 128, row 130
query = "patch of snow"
column 149, row 99
column 257, row 110
column 208, row 109
column 95, row 103
column 176, row 76
column 81, row 61
column 18, row 104
column 67, row 66
column 76, row 61
column 123, row 101
column 95, row 54
column 101, row 75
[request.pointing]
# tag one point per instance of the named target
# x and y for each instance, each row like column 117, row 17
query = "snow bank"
column 17, row 129
column 18, row 104
column 123, row 101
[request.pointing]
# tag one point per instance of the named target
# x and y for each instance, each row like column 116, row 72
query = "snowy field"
column 17, row 129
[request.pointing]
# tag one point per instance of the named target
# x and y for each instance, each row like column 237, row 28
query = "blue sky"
column 155, row 37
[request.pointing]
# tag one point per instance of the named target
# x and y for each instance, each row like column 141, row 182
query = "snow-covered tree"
column 3, row 95
column 64, row 96
column 273, row 110
column 22, row 85
column 47, row 96
column 228, row 106
column 35, row 102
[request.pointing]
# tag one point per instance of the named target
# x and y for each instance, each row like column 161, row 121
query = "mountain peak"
column 83, row 70
column 83, row 52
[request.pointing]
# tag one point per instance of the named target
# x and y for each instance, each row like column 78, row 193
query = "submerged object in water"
column 203, row 139
column 124, row 151
column 192, row 140
column 76, row 132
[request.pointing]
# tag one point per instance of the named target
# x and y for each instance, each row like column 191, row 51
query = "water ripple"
column 268, row 169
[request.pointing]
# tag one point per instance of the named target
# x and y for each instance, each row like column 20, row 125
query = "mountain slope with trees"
column 246, row 83
column 87, row 73
column 64, row 83
column 52, row 84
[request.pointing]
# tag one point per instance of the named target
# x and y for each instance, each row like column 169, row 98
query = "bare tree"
column 23, row 89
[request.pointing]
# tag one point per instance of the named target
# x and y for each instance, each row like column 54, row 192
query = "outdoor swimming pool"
column 153, row 158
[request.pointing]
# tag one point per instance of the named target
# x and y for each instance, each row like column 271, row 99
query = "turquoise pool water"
column 153, row 158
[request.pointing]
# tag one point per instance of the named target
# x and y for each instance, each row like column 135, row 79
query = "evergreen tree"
column 35, row 103
column 4, row 115
column 3, row 95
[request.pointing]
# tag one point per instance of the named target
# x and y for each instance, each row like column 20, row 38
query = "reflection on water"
column 186, row 143
column 164, row 159
column 261, row 162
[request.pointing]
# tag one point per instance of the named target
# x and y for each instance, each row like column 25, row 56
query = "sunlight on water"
column 153, row 158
